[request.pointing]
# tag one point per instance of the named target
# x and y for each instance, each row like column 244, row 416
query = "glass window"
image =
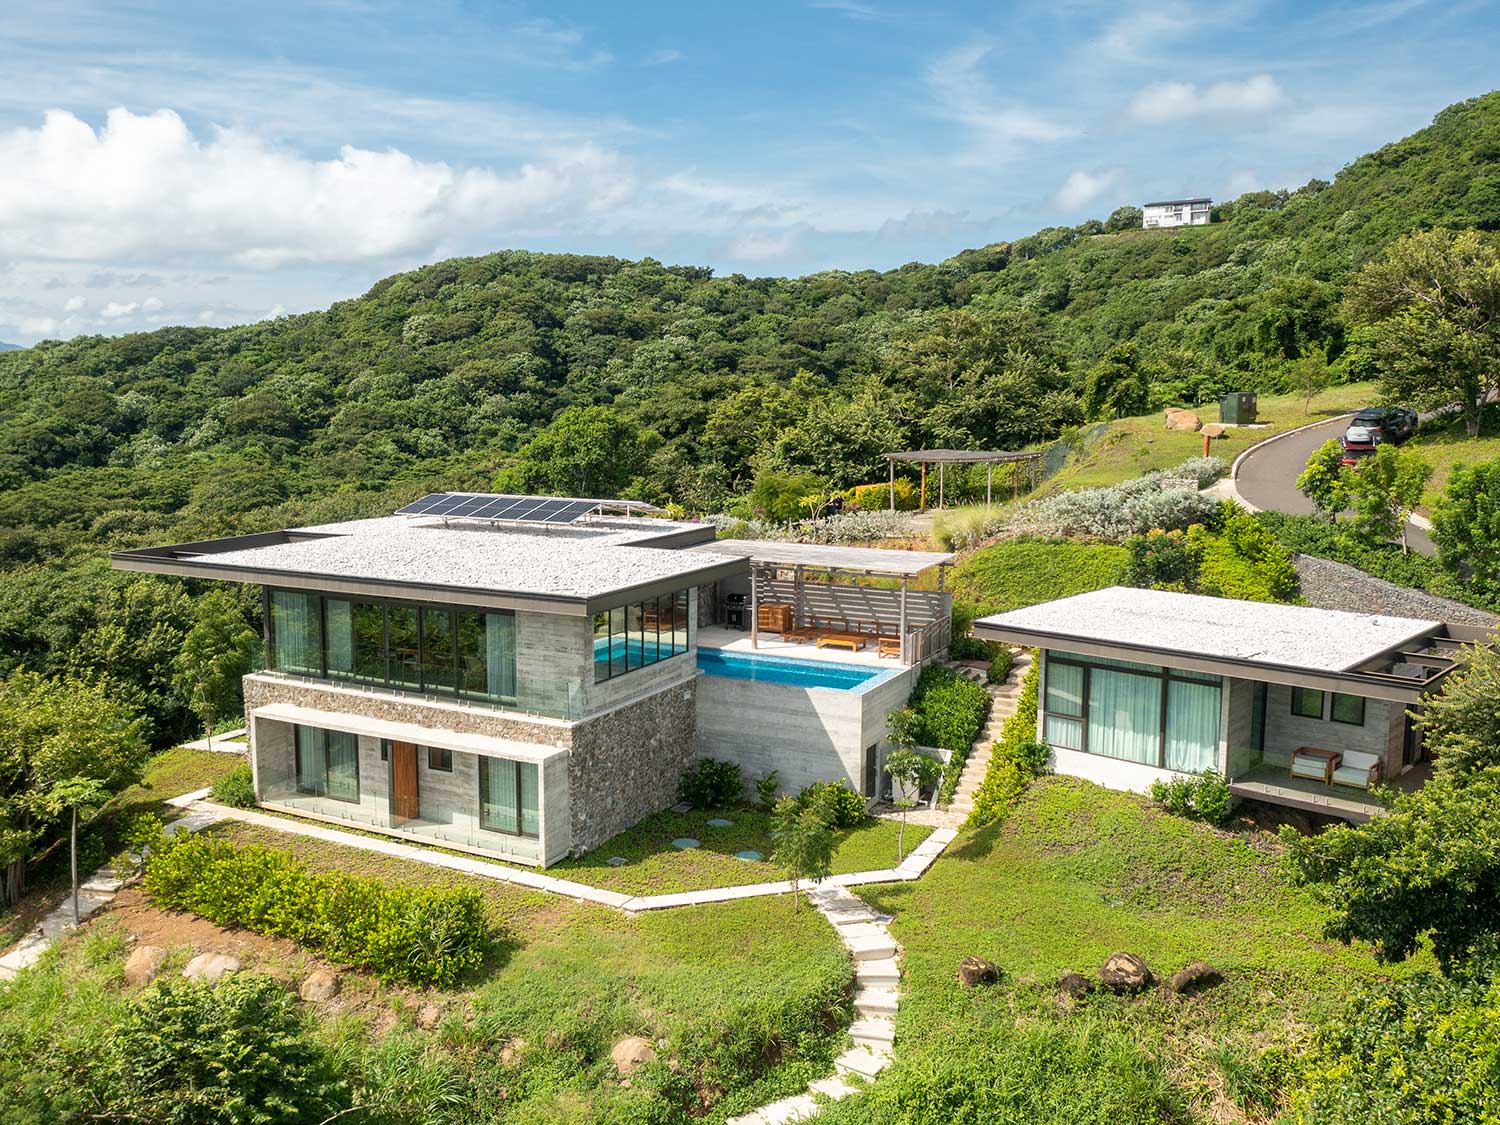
column 312, row 770
column 487, row 655
column 618, row 641
column 1307, row 703
column 681, row 623
column 633, row 643
column 1064, row 689
column 343, row 765
column 440, row 758
column 601, row 647
column 1124, row 715
column 1347, row 709
column 508, row 797
column 1066, row 733
column 1192, row 742
column 356, row 639
column 640, row 634
column 437, row 650
column 296, row 643
column 404, row 646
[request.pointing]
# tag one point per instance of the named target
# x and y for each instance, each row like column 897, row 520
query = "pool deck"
column 771, row 644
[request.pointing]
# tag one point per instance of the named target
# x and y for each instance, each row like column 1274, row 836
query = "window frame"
column 323, row 753
column 616, row 621
column 1333, row 709
column 1297, row 692
column 444, row 755
column 487, row 763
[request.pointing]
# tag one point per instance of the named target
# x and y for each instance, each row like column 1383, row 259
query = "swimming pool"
column 786, row 670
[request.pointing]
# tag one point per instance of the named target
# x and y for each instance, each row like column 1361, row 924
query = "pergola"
column 1031, row 458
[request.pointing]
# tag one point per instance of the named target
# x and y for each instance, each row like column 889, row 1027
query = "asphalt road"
column 1268, row 476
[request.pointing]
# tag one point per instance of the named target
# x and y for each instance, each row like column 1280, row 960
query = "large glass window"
column 327, row 763
column 437, row 650
column 486, row 654
column 297, row 644
column 1135, row 712
column 404, row 646
column 508, row 797
column 640, row 634
column 1347, row 709
column 1307, row 703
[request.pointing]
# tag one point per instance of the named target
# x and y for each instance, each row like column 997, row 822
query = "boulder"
column 630, row 1053
column 1075, row 986
column 320, row 985
column 1215, row 430
column 1184, row 420
column 974, row 971
column 1198, row 975
column 211, row 966
column 1125, row 973
column 144, row 963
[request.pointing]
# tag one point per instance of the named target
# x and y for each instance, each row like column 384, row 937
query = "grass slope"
column 1021, row 573
column 1077, row 873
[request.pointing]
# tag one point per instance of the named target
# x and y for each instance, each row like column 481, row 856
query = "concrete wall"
column 554, row 661
column 805, row 734
column 1380, row 734
column 625, row 763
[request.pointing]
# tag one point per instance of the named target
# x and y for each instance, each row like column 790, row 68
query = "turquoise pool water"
column 786, row 670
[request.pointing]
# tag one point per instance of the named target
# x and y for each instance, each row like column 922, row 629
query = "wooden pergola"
column 1030, row 458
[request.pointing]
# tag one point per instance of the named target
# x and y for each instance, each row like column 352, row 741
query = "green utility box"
column 1237, row 409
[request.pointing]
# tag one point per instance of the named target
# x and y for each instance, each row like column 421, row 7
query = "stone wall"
column 1335, row 585
column 625, row 763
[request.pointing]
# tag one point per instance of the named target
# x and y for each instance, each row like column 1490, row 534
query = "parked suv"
column 1393, row 424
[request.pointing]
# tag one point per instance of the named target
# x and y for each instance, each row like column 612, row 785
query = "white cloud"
column 116, row 309
column 37, row 326
column 850, row 8
column 965, row 95
column 152, row 304
column 763, row 247
column 74, row 304
column 663, row 56
column 144, row 184
column 1082, row 188
column 1253, row 99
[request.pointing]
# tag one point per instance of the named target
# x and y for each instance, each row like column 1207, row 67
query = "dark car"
column 1390, row 424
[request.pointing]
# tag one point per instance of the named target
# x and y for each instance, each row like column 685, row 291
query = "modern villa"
column 1296, row 706
column 525, row 677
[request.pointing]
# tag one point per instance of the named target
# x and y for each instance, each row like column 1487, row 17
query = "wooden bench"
column 852, row 641
column 1315, row 764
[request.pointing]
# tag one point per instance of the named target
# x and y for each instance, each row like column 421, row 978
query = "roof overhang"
column 873, row 561
column 349, row 723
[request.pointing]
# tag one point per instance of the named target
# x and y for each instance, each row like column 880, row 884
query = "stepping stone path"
column 685, row 843
column 617, row 861
column 877, row 993
column 749, row 854
column 720, row 822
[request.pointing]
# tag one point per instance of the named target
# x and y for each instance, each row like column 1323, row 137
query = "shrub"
column 970, row 648
column 951, row 709
column 837, row 804
column 767, row 788
column 423, row 935
column 1016, row 758
column 1000, row 665
column 1116, row 512
column 711, row 784
column 239, row 1052
column 1163, row 560
column 236, row 788
column 1203, row 796
column 872, row 496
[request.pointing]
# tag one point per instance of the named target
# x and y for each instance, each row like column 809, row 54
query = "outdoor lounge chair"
column 1359, row 769
column 1315, row 764
column 888, row 646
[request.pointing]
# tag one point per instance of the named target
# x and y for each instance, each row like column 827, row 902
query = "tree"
column 55, row 736
column 1466, row 526
column 1323, row 482
column 1384, row 490
column 804, row 846
column 1311, row 376
column 586, row 451
column 217, row 652
column 1116, row 385
column 910, row 774
column 778, row 495
column 1124, row 218
column 75, row 796
column 1433, row 303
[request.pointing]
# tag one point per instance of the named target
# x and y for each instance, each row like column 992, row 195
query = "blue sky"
column 211, row 163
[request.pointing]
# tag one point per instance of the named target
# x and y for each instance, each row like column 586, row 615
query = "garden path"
column 1004, row 698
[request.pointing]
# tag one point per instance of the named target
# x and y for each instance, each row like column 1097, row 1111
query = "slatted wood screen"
column 859, row 603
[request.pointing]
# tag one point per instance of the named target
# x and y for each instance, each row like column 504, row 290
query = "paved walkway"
column 877, row 993
column 1005, row 698
column 100, row 888
column 221, row 743
column 912, row 867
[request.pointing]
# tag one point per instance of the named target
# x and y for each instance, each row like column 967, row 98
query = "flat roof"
column 964, row 456
column 578, row 569
column 1164, row 622
column 1170, row 202
column 871, row 560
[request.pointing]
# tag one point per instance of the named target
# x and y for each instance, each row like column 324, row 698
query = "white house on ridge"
column 1176, row 213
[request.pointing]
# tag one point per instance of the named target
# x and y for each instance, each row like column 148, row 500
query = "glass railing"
column 545, row 696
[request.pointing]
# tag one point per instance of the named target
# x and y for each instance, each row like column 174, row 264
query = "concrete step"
column 882, row 972
column 798, row 1107
column 873, row 1032
column 861, row 1061
column 876, row 1001
column 834, row 1087
column 867, row 943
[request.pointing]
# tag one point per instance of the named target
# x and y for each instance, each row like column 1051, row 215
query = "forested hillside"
column 573, row 373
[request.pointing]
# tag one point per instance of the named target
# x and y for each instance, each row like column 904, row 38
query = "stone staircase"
column 1004, row 698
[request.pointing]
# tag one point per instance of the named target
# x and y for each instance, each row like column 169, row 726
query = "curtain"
column 343, row 766
column 311, row 773
column 530, row 817
column 340, row 618
column 1192, row 726
column 1124, row 716
column 497, row 795
column 1064, row 689
column 294, row 631
column 500, row 655
column 1065, row 733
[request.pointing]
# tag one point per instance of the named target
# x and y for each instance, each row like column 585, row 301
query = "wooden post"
column 905, row 655
column 922, row 506
column 942, row 570
column 1206, row 440
column 754, row 607
column 892, row 464
column 797, row 597
column 989, row 483
column 941, row 467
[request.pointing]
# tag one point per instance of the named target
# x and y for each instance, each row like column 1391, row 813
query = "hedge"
column 952, row 709
column 422, row 935
column 1008, row 772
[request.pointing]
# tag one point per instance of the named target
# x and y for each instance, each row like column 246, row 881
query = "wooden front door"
column 405, row 803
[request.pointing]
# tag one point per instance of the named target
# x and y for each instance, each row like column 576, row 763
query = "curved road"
column 1267, row 475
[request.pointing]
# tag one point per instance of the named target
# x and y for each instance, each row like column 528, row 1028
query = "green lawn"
column 1076, row 874
column 1132, row 446
column 1010, row 575
column 1446, row 444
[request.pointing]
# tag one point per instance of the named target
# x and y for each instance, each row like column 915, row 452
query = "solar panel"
column 500, row 506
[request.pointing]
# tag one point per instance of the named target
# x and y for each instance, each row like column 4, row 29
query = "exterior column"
column 941, row 467
column 797, row 599
column 754, row 606
column 989, row 483
column 905, row 655
column 892, row 465
column 922, row 507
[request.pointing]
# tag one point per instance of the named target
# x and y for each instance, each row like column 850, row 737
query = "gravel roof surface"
column 1319, row 640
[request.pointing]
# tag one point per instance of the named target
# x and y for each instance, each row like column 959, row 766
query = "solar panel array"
column 491, row 506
